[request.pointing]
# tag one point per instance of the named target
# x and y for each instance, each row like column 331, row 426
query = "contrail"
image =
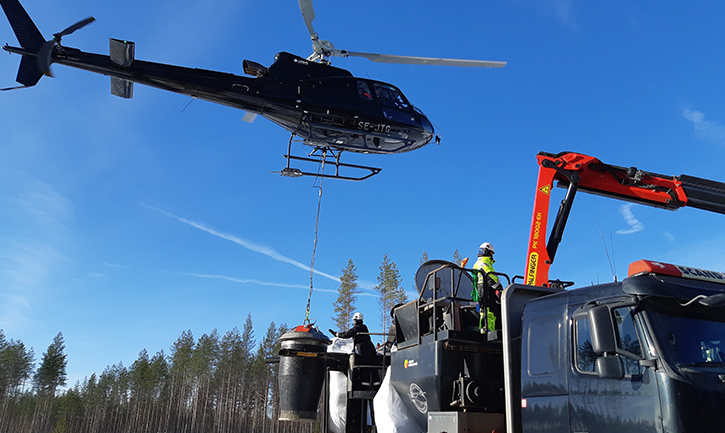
column 262, row 283
column 630, row 219
column 269, row 252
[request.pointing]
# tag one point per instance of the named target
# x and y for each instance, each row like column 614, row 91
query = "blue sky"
column 125, row 222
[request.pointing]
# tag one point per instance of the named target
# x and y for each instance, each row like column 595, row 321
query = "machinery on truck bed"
column 646, row 354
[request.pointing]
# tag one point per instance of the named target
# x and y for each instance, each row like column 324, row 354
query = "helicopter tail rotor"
column 40, row 51
column 71, row 29
column 45, row 55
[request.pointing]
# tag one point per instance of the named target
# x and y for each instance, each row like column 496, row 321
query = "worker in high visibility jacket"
column 485, row 265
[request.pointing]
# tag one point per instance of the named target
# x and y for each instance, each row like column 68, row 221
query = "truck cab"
column 642, row 355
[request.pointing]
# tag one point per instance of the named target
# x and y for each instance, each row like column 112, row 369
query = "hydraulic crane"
column 575, row 171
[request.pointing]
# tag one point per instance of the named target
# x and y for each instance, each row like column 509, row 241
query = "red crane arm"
column 575, row 171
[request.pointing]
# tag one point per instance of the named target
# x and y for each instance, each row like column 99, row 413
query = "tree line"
column 215, row 383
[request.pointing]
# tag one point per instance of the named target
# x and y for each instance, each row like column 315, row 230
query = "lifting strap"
column 317, row 223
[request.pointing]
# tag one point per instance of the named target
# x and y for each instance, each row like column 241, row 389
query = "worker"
column 363, row 345
column 392, row 331
column 485, row 265
column 358, row 332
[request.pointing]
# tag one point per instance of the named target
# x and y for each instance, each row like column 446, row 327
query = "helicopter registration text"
column 373, row 127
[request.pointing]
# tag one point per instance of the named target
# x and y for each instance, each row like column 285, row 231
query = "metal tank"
column 301, row 372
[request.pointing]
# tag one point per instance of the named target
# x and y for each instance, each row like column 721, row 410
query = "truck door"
column 596, row 404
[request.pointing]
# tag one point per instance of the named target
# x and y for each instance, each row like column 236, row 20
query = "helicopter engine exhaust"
column 254, row 69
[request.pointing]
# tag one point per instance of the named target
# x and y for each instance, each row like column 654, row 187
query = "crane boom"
column 575, row 171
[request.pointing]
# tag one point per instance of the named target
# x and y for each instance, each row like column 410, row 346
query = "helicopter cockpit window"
column 391, row 96
column 363, row 90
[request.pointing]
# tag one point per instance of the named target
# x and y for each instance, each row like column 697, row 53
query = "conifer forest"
column 213, row 383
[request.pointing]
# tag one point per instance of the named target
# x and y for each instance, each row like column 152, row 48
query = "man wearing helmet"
column 485, row 265
column 485, row 260
column 359, row 332
column 363, row 347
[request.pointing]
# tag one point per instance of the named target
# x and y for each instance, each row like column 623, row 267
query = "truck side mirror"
column 601, row 325
column 610, row 367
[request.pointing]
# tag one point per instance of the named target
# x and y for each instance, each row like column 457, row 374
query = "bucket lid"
column 306, row 332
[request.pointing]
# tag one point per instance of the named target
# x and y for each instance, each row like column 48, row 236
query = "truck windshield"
column 690, row 337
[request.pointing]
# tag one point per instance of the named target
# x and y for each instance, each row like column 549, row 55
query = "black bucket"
column 301, row 373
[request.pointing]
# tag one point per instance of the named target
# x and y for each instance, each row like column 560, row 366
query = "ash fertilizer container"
column 301, row 372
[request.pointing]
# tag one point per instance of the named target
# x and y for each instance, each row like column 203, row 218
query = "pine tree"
column 205, row 359
column 16, row 366
column 180, row 372
column 262, row 375
column 246, row 382
column 52, row 371
column 275, row 409
column 390, row 289
column 50, row 375
column 423, row 259
column 346, row 297
column 4, row 379
column 457, row 258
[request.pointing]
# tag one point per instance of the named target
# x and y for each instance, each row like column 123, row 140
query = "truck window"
column 628, row 340
column 585, row 356
column 543, row 341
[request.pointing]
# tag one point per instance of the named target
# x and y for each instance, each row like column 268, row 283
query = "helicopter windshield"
column 391, row 96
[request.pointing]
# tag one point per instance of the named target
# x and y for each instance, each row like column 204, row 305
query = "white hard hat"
column 357, row 316
column 486, row 246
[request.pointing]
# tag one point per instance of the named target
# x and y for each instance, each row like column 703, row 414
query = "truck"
column 645, row 354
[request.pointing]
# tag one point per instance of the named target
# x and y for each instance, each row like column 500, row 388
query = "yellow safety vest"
column 485, row 264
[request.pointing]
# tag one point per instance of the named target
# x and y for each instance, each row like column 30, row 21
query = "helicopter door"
column 322, row 93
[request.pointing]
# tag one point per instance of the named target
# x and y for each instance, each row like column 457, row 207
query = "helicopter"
column 322, row 106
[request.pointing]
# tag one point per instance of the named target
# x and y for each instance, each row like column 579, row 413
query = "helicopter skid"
column 322, row 159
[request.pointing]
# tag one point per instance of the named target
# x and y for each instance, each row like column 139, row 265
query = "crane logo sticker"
column 545, row 189
column 417, row 396
column 410, row 363
column 531, row 272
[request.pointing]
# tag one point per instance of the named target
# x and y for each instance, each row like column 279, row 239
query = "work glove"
column 334, row 334
column 497, row 288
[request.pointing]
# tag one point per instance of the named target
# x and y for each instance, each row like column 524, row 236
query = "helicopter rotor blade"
column 410, row 60
column 75, row 27
column 308, row 13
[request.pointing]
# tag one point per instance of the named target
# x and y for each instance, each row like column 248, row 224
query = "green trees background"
column 216, row 383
